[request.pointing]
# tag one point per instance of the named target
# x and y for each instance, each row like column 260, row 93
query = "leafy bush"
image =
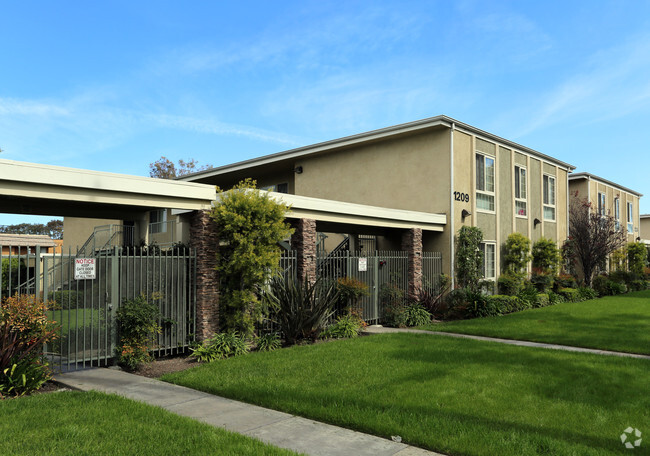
column 546, row 256
column 24, row 329
column 14, row 272
column 476, row 305
column 599, row 284
column 587, row 293
column 616, row 288
column 638, row 285
column 570, row 294
column 636, row 257
column 528, row 294
column 623, row 277
column 517, row 254
column 542, row 280
column 433, row 299
column 220, row 346
column 416, row 315
column 565, row 281
column 542, row 300
column 301, row 310
column 554, row 298
column 346, row 326
column 137, row 323
column 65, row 299
column 510, row 283
column 393, row 303
column 268, row 342
column 350, row 291
column 469, row 257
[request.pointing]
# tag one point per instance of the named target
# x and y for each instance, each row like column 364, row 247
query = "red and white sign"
column 84, row 269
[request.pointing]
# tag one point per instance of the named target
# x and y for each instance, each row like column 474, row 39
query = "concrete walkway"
column 277, row 428
column 521, row 343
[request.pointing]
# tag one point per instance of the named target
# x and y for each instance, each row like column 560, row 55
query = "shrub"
column 587, row 293
column 221, row 345
column 541, row 300
column 14, row 272
column 469, row 257
column 350, row 291
column 638, row 285
column 65, row 299
column 24, row 329
column 616, row 288
column 623, row 277
column 554, row 298
column 476, row 305
column 346, row 326
column 393, row 303
column 546, row 256
column 565, row 281
column 416, row 315
column 432, row 299
column 570, row 294
column 528, row 293
column 510, row 283
column 636, row 257
column 268, row 342
column 137, row 323
column 301, row 309
column 542, row 280
column 517, row 253
column 599, row 284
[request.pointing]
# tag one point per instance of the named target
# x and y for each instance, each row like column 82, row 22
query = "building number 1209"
column 459, row 196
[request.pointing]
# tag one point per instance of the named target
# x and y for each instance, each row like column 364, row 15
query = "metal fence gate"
column 85, row 308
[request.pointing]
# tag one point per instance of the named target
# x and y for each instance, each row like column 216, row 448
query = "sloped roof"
column 26, row 240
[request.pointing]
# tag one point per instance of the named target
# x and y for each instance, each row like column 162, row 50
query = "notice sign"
column 363, row 264
column 84, row 268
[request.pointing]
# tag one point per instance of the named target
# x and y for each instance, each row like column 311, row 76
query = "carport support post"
column 412, row 244
column 204, row 238
column 303, row 241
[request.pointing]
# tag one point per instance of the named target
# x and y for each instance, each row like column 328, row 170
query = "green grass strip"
column 75, row 423
column 618, row 323
column 454, row 396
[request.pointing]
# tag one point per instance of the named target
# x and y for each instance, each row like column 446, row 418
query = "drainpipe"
column 451, row 210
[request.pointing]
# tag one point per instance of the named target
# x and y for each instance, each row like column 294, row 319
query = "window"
column 617, row 213
column 280, row 188
column 630, row 222
column 549, row 197
column 489, row 259
column 157, row 221
column 601, row 203
column 520, row 191
column 484, row 182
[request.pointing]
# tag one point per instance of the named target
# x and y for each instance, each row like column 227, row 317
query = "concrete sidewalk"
column 521, row 343
column 277, row 428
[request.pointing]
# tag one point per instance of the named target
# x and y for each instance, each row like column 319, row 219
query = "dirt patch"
column 164, row 366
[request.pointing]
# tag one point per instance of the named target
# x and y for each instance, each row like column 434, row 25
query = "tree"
column 163, row 168
column 251, row 225
column 636, row 257
column 469, row 257
column 593, row 237
column 53, row 229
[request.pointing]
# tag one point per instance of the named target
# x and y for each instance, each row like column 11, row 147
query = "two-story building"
column 432, row 166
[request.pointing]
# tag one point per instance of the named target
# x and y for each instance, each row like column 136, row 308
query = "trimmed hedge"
column 570, row 294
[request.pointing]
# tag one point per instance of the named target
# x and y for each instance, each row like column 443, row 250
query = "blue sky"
column 115, row 85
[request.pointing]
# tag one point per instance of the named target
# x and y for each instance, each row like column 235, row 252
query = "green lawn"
column 619, row 323
column 75, row 423
column 455, row 396
column 76, row 318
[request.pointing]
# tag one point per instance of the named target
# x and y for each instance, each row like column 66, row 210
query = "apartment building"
column 432, row 166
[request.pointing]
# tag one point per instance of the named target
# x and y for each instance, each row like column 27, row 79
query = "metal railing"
column 105, row 237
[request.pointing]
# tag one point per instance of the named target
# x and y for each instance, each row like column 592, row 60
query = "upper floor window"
column 520, row 191
column 630, row 219
column 601, row 203
column 617, row 213
column 549, row 197
column 489, row 259
column 280, row 188
column 484, row 182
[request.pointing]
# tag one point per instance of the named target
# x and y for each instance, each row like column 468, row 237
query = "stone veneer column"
column 303, row 241
column 412, row 244
column 204, row 238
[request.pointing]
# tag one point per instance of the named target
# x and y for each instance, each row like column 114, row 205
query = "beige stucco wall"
column 645, row 228
column 76, row 230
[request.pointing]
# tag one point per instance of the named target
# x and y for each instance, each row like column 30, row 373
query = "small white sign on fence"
column 84, row 269
column 363, row 264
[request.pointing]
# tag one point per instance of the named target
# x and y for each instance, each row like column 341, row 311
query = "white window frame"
column 158, row 226
column 547, row 191
column 630, row 217
column 484, row 191
column 602, row 204
column 617, row 212
column 522, row 198
column 484, row 249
